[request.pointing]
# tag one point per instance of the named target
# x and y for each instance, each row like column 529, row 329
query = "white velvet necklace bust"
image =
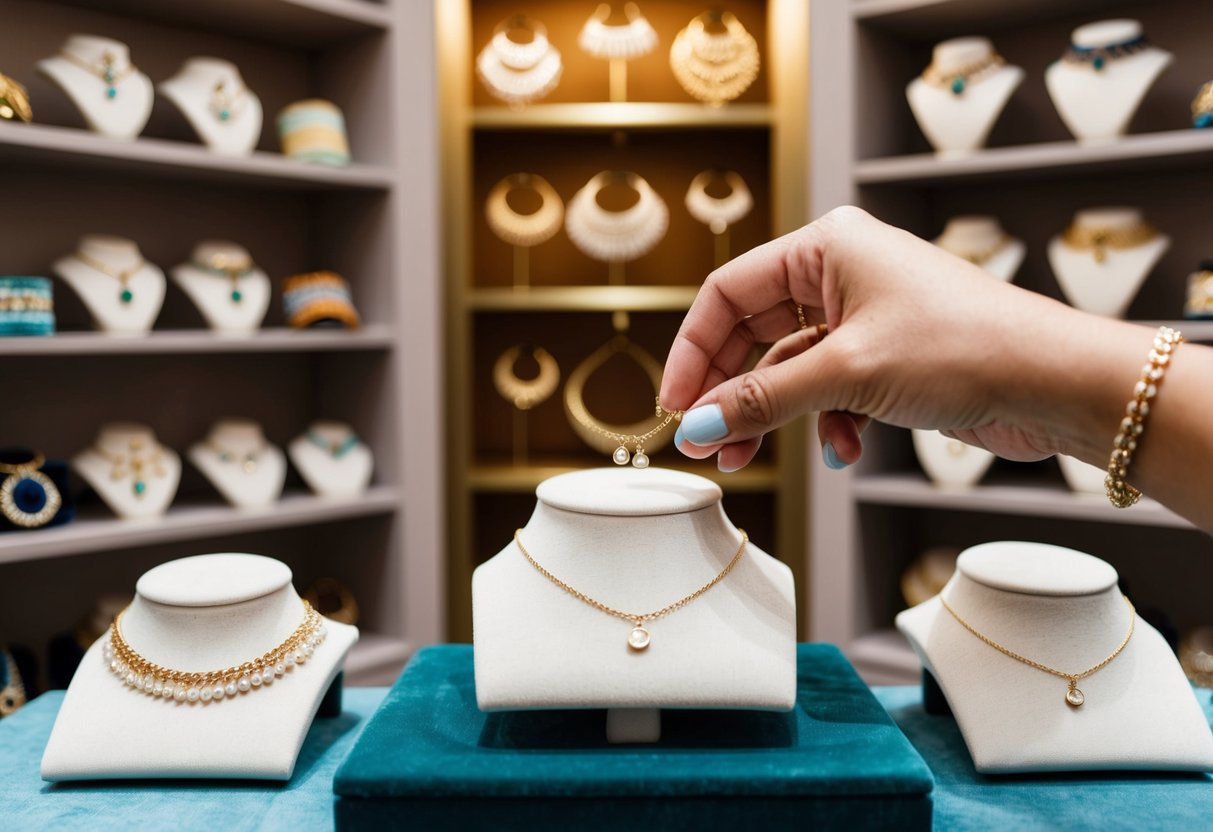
column 229, row 304
column 217, row 103
column 1064, row 609
column 636, row 540
column 101, row 292
column 245, row 468
column 123, row 455
column 120, row 115
column 197, row 614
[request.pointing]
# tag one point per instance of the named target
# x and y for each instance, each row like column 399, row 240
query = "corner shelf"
column 509, row 479
column 58, row 146
column 584, row 299
column 189, row 521
column 622, row 116
column 179, row 342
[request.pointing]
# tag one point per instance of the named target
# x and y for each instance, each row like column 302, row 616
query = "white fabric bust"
column 116, row 438
column 1064, row 609
column 100, row 292
column 341, row 477
column 121, row 117
column 194, row 614
column 1097, row 106
column 950, row 463
column 192, row 90
column 956, row 125
column 212, row 293
column 245, row 483
column 980, row 233
column 636, row 540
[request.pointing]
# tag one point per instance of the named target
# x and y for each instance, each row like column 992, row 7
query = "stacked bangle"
column 314, row 131
column 26, row 306
column 1120, row 493
column 318, row 298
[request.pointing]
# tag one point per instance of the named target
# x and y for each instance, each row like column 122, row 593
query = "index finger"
column 788, row 267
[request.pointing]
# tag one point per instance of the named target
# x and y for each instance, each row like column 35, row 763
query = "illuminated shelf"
column 170, row 342
column 621, row 116
column 942, row 18
column 584, row 299
column 505, row 478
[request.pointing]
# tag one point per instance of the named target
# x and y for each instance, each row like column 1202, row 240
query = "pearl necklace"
column 524, row 229
column 519, row 73
column 633, row 39
column 719, row 214
column 212, row 685
column 616, row 236
column 715, row 67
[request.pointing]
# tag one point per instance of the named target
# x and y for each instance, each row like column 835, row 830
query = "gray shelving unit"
column 869, row 522
column 374, row 221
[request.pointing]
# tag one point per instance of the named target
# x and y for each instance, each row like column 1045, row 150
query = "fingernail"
column 724, row 469
column 831, row 457
column 704, row 425
column 678, row 437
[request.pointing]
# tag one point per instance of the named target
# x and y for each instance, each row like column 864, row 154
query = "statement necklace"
column 28, row 497
column 231, row 266
column 104, row 70
column 123, row 276
column 225, row 105
column 336, row 448
column 616, row 236
column 526, row 393
column 628, row 441
column 1099, row 240
column 212, row 685
column 633, row 39
column 135, row 463
column 715, row 67
column 976, row 256
column 639, row 638
column 1074, row 696
column 524, row 229
column 718, row 213
column 519, row 73
column 958, row 80
column 1097, row 57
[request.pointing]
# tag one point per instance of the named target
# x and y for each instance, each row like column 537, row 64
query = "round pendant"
column 1075, row 698
column 639, row 638
column 640, row 460
column 126, row 296
column 621, row 456
column 249, row 466
column 237, row 296
column 29, row 500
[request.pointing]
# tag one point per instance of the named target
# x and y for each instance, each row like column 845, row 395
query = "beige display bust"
column 242, row 465
column 231, row 305
column 1064, row 609
column 117, row 108
column 332, row 460
column 949, row 462
column 1082, row 477
column 130, row 470
column 637, row 540
column 1107, row 287
column 214, row 99
column 981, row 239
column 197, row 614
column 101, row 270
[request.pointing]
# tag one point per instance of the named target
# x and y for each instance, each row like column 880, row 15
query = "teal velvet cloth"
column 430, row 759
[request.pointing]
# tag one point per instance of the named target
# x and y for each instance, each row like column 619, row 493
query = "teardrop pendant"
column 640, row 459
column 621, row 455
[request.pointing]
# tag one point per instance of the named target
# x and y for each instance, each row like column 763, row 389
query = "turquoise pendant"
column 111, row 92
column 224, row 115
column 236, row 296
column 1098, row 62
column 1203, row 120
column 126, row 296
column 958, row 86
column 140, row 487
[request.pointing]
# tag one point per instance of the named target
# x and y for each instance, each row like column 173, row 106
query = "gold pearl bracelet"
column 1120, row 493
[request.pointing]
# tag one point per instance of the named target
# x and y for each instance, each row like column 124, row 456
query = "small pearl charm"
column 231, row 689
column 206, row 693
column 639, row 638
column 267, row 676
column 255, row 679
column 217, row 692
column 640, row 460
column 179, row 693
column 244, row 684
column 192, row 694
column 621, row 456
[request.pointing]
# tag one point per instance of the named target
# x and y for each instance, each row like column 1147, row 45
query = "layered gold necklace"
column 715, row 67
column 525, row 394
column 639, row 638
column 976, row 256
column 517, row 229
column 1098, row 240
column 123, row 276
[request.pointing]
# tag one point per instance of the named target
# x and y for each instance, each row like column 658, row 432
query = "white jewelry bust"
column 948, row 462
column 1108, row 287
column 79, row 70
column 1082, row 477
column 197, row 614
column 1096, row 105
column 636, row 540
column 957, row 124
column 333, row 461
column 1061, row 608
column 233, row 300
column 124, row 455
column 102, row 292
column 236, row 458
column 981, row 240
column 214, row 99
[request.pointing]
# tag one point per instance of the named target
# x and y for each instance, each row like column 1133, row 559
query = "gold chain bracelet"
column 1120, row 493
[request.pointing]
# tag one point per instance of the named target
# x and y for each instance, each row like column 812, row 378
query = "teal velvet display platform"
column 430, row 759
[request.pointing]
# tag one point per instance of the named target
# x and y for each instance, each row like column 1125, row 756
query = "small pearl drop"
column 158, row 687
column 217, row 693
column 192, row 694
column 255, row 679
column 231, row 689
column 300, row 657
column 179, row 693
column 167, row 690
column 308, row 650
column 244, row 684
column 280, row 669
column 267, row 676
column 206, row 693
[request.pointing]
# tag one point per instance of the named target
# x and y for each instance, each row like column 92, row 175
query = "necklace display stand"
column 1061, row 608
column 982, row 241
column 1107, row 287
column 617, row 43
column 344, row 474
column 957, row 123
column 1097, row 104
column 1082, row 477
column 524, row 231
column 950, row 463
column 197, row 614
column 101, row 293
column 118, row 108
column 213, row 291
column 123, row 455
column 616, row 237
column 236, row 458
column 635, row 540
column 719, row 213
column 217, row 103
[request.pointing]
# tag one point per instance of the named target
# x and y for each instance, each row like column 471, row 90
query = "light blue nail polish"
column 831, row 457
column 678, row 437
column 704, row 425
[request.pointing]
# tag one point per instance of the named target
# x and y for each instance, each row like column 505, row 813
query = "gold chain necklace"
column 123, row 276
column 231, row 266
column 136, row 460
column 639, row 638
column 958, row 80
column 212, row 685
column 526, row 393
column 977, row 257
column 1099, row 240
column 1074, row 696
column 104, row 70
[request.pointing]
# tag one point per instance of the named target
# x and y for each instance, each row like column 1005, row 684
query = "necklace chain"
column 639, row 638
column 1100, row 239
column 1074, row 696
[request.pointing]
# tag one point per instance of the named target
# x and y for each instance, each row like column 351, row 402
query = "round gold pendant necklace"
column 639, row 637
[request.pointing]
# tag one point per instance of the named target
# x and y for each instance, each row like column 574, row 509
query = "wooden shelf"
column 937, row 19
column 622, row 116
column 505, row 478
column 176, row 342
column 290, row 22
column 1029, row 500
column 584, row 299
column 187, row 522
column 56, row 146
column 1145, row 151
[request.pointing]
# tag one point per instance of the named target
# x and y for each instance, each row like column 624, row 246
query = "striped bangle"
column 1120, row 493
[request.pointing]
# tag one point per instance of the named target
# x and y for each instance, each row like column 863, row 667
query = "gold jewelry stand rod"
column 616, row 273
column 520, row 437
column 722, row 247
column 619, row 79
column 522, row 267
